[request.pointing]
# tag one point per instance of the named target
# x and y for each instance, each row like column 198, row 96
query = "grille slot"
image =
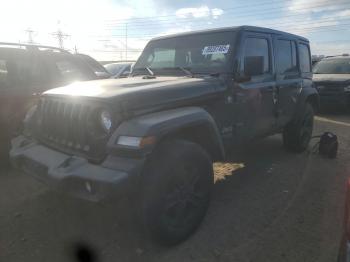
column 64, row 126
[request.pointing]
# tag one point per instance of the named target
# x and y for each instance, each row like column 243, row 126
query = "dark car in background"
column 119, row 70
column 25, row 72
column 332, row 80
column 99, row 69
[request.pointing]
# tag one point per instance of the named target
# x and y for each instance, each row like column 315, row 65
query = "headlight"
column 347, row 89
column 106, row 121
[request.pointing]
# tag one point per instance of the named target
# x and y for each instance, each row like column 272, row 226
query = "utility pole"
column 30, row 33
column 126, row 41
column 60, row 37
column 76, row 49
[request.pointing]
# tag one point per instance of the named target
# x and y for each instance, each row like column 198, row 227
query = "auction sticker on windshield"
column 215, row 49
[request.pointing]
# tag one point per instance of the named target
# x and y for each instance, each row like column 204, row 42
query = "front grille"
column 64, row 125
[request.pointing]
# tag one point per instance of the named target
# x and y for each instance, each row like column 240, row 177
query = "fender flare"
column 307, row 95
column 165, row 123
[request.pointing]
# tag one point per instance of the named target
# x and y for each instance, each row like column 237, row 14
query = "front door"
column 255, row 99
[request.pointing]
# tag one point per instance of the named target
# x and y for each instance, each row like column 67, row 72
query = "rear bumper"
column 114, row 177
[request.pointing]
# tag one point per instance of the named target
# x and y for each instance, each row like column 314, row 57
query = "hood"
column 335, row 78
column 139, row 92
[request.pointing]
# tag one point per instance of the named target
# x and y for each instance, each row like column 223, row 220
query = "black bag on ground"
column 328, row 146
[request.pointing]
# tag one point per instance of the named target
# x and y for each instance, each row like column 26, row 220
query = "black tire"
column 177, row 185
column 298, row 133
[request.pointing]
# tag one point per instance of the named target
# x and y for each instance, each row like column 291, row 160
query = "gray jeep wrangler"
column 190, row 98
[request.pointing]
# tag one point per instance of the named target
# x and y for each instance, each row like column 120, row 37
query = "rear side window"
column 286, row 61
column 304, row 57
column 257, row 48
column 21, row 70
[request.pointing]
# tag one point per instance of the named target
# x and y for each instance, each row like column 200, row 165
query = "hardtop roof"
column 235, row 29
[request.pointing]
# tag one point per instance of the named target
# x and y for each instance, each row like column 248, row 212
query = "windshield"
column 333, row 66
column 94, row 65
column 115, row 69
column 199, row 53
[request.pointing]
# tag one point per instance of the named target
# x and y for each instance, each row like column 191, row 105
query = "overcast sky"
column 99, row 27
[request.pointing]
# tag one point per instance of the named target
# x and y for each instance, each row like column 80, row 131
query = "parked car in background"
column 316, row 58
column 99, row 69
column 119, row 70
column 191, row 98
column 332, row 80
column 25, row 72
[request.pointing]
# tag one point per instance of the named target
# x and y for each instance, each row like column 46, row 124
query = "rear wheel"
column 297, row 134
column 177, row 186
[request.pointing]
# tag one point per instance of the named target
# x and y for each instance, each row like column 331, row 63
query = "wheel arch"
column 194, row 124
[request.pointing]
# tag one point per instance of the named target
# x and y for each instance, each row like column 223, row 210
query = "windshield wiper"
column 149, row 71
column 187, row 71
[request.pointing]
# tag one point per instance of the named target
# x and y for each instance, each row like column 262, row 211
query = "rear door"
column 255, row 99
column 288, row 78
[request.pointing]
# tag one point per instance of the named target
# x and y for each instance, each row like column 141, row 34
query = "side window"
column 285, row 57
column 256, row 56
column 304, row 58
column 30, row 71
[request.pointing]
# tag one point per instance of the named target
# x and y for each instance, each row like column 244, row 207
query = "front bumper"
column 74, row 175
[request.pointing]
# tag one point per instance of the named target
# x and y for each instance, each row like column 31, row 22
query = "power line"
column 223, row 8
column 299, row 29
column 243, row 14
column 295, row 22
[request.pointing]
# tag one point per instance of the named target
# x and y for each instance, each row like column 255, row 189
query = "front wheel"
column 176, row 190
column 298, row 133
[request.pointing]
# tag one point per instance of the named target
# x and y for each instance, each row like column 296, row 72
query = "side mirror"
column 253, row 65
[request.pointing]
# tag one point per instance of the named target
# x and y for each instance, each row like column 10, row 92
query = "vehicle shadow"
column 251, row 189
